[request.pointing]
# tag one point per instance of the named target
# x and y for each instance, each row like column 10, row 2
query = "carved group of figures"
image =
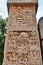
column 23, row 46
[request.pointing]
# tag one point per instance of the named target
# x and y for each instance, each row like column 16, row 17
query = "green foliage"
column 3, row 23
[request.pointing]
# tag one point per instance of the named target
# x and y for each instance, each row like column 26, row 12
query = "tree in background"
column 3, row 23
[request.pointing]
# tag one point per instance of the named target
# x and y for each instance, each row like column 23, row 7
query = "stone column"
column 22, row 46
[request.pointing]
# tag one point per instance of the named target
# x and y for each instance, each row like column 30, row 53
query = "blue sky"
column 4, row 13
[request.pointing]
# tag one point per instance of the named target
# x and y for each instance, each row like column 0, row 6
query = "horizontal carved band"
column 22, row 28
column 22, row 1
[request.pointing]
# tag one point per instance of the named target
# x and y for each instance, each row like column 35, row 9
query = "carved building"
column 22, row 46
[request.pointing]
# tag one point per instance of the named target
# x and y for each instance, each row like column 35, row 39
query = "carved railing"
column 22, row 1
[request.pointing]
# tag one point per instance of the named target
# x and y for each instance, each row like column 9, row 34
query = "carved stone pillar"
column 22, row 46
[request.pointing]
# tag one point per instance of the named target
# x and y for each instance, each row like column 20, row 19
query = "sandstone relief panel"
column 22, row 15
column 23, row 48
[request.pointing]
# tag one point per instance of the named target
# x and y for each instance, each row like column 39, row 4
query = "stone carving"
column 21, row 15
column 22, row 46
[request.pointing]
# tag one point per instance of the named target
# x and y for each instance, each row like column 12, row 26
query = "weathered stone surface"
column 22, row 1
column 22, row 46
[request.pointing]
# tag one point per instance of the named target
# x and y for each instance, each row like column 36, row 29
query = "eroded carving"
column 21, row 49
column 23, row 46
